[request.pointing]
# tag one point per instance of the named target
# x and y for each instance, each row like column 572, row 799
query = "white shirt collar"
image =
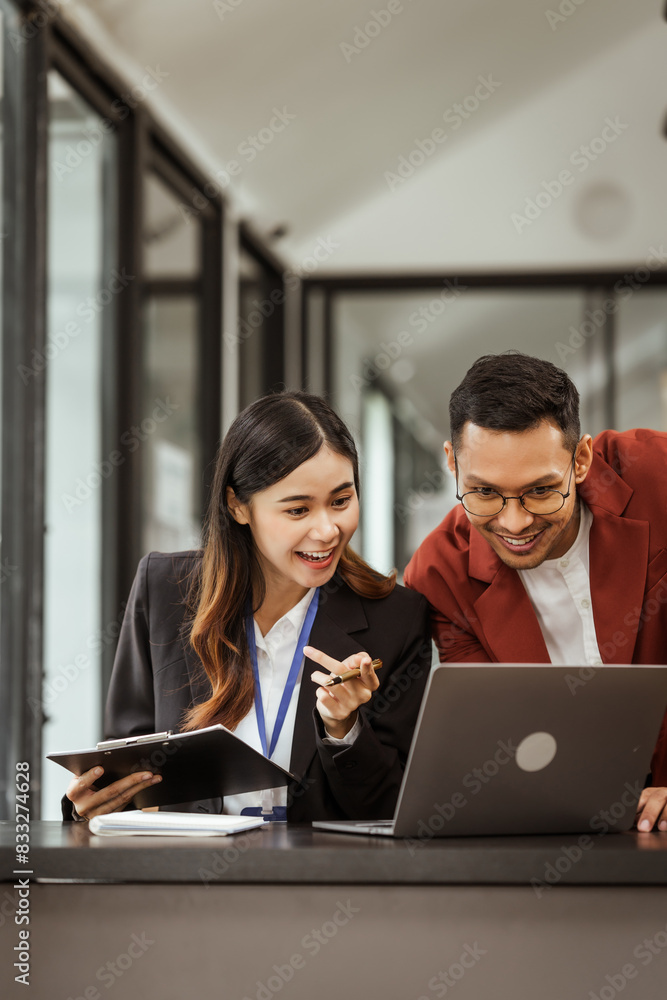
column 291, row 621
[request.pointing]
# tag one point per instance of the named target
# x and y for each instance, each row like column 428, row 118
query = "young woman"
column 246, row 631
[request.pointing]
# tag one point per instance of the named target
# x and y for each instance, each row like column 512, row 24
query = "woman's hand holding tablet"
column 89, row 801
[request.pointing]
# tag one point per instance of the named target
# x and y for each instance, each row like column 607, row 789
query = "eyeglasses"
column 485, row 502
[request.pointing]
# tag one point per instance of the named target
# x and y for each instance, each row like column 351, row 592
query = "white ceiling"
column 228, row 64
column 356, row 113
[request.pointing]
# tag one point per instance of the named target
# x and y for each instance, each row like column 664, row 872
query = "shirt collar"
column 295, row 617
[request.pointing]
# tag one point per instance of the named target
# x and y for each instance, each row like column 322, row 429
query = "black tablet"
column 202, row 764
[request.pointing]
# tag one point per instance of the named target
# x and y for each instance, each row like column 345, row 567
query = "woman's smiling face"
column 301, row 525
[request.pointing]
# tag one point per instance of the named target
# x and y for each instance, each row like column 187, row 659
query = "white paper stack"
column 171, row 824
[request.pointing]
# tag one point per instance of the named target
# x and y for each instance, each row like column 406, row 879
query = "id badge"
column 277, row 814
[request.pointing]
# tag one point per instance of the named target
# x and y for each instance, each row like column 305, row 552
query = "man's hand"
column 652, row 810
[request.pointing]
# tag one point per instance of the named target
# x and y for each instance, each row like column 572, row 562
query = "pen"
column 347, row 675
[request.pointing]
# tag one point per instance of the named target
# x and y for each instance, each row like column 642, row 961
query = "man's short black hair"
column 514, row 392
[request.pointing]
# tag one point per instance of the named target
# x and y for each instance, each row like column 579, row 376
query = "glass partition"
column 397, row 357
column 640, row 358
column 171, row 234
column 81, row 151
column 111, row 364
column 169, row 434
column 260, row 326
column 251, row 365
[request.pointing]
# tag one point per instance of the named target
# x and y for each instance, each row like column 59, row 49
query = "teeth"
column 517, row 541
column 316, row 556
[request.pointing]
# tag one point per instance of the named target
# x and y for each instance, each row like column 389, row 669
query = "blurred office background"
column 204, row 200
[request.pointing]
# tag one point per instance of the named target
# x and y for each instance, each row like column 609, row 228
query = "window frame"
column 142, row 144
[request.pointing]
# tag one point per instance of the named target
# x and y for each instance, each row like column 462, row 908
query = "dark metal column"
column 23, row 391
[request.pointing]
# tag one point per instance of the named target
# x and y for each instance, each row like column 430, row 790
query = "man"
column 558, row 549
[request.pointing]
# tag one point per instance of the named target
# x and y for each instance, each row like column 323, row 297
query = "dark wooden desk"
column 284, row 911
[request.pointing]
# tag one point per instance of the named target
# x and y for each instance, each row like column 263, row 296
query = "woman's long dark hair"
column 267, row 441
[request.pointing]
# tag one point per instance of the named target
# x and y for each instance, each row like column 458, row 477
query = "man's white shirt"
column 560, row 593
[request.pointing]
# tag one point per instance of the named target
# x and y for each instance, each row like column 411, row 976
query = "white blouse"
column 275, row 652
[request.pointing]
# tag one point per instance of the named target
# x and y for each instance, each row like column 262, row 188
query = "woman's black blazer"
column 157, row 676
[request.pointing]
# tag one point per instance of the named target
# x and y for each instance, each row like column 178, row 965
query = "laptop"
column 525, row 749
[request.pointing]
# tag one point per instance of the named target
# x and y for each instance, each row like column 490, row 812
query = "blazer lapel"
column 339, row 614
column 510, row 625
column 619, row 556
column 619, row 549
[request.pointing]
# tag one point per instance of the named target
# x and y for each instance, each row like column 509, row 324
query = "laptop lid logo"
column 536, row 751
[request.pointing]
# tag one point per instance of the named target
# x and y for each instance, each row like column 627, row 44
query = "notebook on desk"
column 170, row 824
column 525, row 749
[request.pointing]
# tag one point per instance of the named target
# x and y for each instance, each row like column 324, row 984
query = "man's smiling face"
column 513, row 462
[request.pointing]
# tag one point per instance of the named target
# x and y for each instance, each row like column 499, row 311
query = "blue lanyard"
column 304, row 636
